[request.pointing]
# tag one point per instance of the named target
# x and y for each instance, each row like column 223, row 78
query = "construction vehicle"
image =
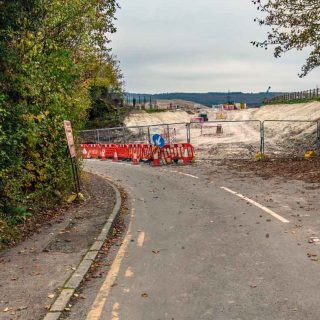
column 204, row 116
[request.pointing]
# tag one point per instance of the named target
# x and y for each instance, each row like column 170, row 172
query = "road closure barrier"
column 170, row 153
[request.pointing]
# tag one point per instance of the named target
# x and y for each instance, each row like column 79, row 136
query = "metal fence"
column 227, row 139
column 299, row 95
column 222, row 139
column 172, row 132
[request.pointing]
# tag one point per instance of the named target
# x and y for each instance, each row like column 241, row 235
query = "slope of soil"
column 299, row 111
column 142, row 118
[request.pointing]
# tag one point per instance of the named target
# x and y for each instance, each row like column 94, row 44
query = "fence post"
column 262, row 137
column 149, row 136
column 98, row 136
column 123, row 135
column 188, row 132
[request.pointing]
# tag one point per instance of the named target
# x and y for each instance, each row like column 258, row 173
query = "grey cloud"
column 199, row 45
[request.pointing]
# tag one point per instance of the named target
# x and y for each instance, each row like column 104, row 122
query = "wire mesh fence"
column 222, row 139
column 226, row 139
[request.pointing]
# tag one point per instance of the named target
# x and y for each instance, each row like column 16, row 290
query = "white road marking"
column 185, row 174
column 272, row 213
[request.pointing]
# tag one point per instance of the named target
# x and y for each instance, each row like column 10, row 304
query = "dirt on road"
column 291, row 169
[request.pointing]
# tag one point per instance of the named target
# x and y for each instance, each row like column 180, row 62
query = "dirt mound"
column 299, row 111
column 142, row 118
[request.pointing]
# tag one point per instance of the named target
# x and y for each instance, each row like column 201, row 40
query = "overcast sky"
column 200, row 46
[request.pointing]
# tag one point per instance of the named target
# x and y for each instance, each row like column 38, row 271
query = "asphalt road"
column 206, row 246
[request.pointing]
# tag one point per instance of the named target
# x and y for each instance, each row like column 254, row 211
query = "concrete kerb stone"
column 96, row 245
column 52, row 316
column 62, row 301
column 91, row 255
column 78, row 275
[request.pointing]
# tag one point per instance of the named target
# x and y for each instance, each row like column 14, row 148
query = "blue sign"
column 158, row 140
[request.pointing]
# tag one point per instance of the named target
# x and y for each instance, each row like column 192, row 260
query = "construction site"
column 279, row 131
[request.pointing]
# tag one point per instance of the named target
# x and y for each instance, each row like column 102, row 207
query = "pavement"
column 207, row 242
column 33, row 272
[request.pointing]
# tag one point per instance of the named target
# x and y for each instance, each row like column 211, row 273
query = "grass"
column 291, row 101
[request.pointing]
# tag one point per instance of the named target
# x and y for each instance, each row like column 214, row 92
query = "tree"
column 295, row 24
column 50, row 50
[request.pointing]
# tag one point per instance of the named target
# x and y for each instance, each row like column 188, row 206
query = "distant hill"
column 210, row 98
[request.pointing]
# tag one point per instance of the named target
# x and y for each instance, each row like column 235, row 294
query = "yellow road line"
column 129, row 273
column 101, row 298
column 115, row 311
column 140, row 240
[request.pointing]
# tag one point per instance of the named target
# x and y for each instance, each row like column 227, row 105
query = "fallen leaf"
column 22, row 308
column 155, row 251
column 144, row 295
column 312, row 255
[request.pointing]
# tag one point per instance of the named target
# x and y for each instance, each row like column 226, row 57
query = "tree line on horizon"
column 210, row 98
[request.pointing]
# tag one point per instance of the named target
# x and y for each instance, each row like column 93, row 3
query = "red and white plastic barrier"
column 135, row 152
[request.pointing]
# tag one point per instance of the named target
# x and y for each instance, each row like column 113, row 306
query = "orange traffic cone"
column 115, row 156
column 185, row 158
column 135, row 158
column 156, row 161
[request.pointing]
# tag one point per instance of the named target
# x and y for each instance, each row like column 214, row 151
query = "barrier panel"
column 145, row 152
column 289, row 138
column 224, row 139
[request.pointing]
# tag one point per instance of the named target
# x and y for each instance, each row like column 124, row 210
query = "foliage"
column 261, row 157
column 106, row 97
column 291, row 101
column 310, row 154
column 294, row 25
column 50, row 54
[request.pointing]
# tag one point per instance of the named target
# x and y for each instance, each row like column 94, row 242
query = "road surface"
column 204, row 243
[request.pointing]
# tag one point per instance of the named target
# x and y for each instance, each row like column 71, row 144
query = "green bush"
column 50, row 54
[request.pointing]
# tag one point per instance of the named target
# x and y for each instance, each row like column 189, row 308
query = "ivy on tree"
column 295, row 25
